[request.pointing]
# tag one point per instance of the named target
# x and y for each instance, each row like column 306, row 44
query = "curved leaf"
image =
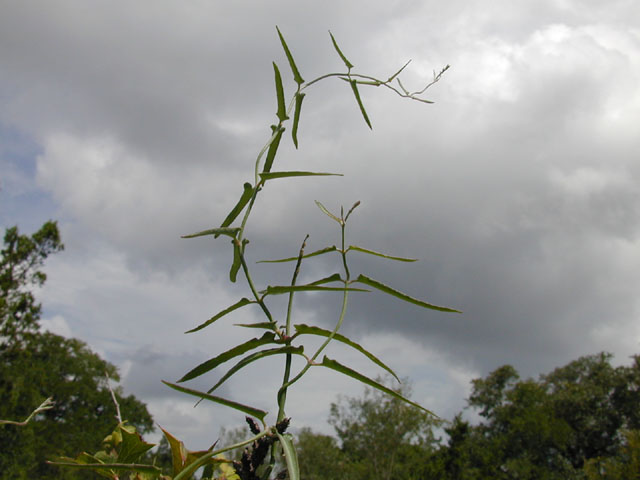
column 354, row 87
column 126, row 467
column 296, row 74
column 296, row 117
column 254, row 412
column 273, row 148
column 243, row 301
column 212, row 363
column 282, row 109
column 230, row 232
column 237, row 262
column 233, row 214
column 282, row 289
column 257, row 356
column 344, row 59
column 402, row 296
column 290, row 455
column 378, row 254
column 331, row 278
column 327, row 212
column 264, row 325
column 312, row 254
column 398, row 72
column 338, row 367
column 311, row 330
column 273, row 175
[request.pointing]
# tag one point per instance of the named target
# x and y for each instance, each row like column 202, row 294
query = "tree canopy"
column 580, row 421
column 35, row 365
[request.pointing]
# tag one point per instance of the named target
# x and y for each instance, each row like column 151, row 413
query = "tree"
column 550, row 427
column 378, row 436
column 320, row 456
column 20, row 260
column 35, row 365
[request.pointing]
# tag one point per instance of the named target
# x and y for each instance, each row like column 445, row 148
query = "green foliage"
column 566, row 424
column 35, row 366
column 20, row 262
column 378, row 436
column 281, row 336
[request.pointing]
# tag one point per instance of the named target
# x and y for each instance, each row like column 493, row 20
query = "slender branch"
column 46, row 405
column 113, row 397
column 282, row 393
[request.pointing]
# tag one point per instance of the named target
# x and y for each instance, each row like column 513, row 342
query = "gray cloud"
column 517, row 189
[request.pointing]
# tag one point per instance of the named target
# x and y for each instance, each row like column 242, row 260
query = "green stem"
column 257, row 296
column 343, row 311
column 282, row 393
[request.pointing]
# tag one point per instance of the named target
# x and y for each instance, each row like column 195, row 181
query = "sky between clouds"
column 134, row 123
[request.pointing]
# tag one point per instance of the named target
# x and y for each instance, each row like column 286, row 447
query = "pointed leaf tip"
column 347, row 63
column 294, row 69
column 354, row 88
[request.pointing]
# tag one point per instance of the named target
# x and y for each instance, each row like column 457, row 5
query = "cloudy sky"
column 132, row 123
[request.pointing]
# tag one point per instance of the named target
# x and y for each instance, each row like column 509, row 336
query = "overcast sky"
column 132, row 123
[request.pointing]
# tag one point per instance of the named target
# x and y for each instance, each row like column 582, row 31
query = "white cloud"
column 56, row 324
column 517, row 189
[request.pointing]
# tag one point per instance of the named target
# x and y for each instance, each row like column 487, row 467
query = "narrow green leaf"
column 344, row 59
column 338, row 367
column 257, row 356
column 327, row 212
column 402, row 296
column 296, row 117
column 263, row 325
column 127, row 467
column 331, row 278
column 254, row 412
column 282, row 109
column 378, row 254
column 243, row 301
column 290, row 455
column 321, row 332
column 296, row 74
column 237, row 262
column 230, row 232
column 312, row 254
column 212, row 363
column 273, row 148
column 398, row 72
column 280, row 290
column 274, row 175
column 354, row 87
column 244, row 199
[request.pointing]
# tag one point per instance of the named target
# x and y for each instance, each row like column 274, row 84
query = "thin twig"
column 46, row 405
column 113, row 396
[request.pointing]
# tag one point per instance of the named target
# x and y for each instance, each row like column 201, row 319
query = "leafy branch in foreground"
column 281, row 336
column 44, row 406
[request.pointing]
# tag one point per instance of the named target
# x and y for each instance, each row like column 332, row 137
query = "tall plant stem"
column 282, row 393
